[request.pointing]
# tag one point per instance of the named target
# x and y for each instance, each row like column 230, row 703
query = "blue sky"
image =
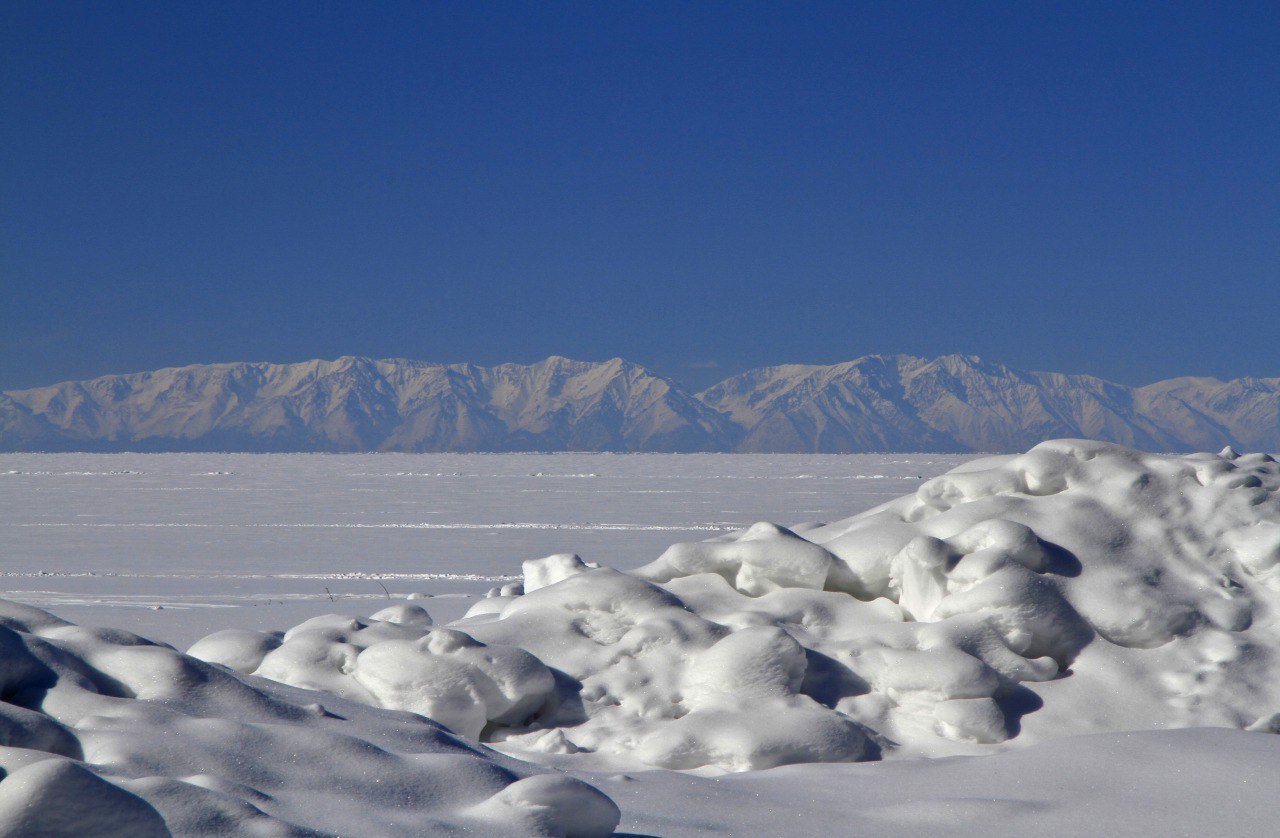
column 699, row 187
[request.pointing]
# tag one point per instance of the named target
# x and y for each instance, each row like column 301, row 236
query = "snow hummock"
column 105, row 733
column 1081, row 587
column 398, row 660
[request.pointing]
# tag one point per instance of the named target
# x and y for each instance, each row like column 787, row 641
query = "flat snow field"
column 264, row 540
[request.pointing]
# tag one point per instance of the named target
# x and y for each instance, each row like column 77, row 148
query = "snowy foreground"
column 1079, row 640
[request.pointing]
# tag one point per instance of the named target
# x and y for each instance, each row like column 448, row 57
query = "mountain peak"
column 899, row 402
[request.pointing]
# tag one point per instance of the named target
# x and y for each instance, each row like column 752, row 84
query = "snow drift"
column 1080, row 587
column 105, row 733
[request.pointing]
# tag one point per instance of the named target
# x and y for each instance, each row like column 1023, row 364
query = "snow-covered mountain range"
column 874, row 403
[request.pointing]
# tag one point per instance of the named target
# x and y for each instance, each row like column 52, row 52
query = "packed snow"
column 1041, row 627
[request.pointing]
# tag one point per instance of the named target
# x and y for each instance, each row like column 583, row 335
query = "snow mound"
column 105, row 733
column 395, row 659
column 1080, row 587
column 760, row 559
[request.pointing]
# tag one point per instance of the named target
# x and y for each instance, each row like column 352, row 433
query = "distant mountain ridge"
column 359, row 404
column 874, row 403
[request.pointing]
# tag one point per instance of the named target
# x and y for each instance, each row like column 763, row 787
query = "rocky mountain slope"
column 875, row 403
column 358, row 404
column 952, row 403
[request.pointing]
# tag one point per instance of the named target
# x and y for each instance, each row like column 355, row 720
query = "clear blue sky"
column 1077, row 187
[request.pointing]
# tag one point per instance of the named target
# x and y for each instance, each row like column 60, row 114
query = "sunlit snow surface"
column 105, row 538
column 1049, row 606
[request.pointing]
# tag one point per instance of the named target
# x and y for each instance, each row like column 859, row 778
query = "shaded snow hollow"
column 1081, row 587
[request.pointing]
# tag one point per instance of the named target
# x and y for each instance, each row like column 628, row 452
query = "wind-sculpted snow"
column 104, row 733
column 1080, row 587
column 395, row 659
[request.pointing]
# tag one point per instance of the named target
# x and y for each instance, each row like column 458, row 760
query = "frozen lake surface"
column 108, row 539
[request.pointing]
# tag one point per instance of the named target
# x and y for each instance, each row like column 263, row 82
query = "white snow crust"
column 154, row 544
column 1078, row 588
column 1112, row 611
